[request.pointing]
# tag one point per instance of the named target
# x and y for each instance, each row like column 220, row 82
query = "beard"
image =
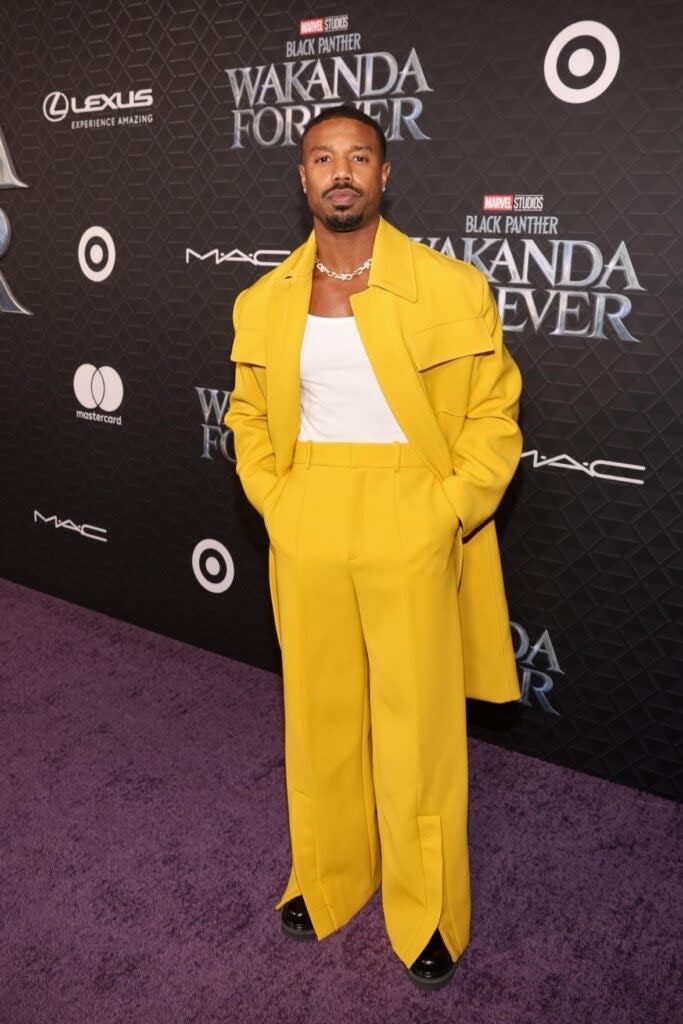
column 343, row 221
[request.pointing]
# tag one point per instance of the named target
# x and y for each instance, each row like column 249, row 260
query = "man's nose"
column 341, row 172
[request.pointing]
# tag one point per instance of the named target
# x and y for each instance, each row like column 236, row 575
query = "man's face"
column 342, row 173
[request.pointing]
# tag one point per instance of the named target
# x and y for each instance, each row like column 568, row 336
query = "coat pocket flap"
column 249, row 346
column 449, row 340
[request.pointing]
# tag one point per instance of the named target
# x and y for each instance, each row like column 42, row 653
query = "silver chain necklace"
column 343, row 277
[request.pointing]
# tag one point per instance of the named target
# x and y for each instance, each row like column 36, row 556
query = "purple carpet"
column 143, row 843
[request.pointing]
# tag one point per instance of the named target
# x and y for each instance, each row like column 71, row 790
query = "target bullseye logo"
column 213, row 566
column 98, row 387
column 96, row 253
column 581, row 62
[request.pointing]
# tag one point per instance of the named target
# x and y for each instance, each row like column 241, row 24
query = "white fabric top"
column 340, row 397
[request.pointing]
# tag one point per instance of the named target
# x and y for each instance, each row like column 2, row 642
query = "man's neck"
column 343, row 251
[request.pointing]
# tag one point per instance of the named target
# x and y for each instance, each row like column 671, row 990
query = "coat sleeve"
column 246, row 418
column 488, row 449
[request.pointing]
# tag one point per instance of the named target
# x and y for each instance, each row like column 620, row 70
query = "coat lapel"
column 291, row 301
column 378, row 317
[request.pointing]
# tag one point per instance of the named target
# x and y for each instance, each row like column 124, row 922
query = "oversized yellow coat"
column 433, row 335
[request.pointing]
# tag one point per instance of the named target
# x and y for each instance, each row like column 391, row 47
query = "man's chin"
column 343, row 221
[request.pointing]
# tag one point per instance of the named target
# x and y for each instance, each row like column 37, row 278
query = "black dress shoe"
column 295, row 920
column 434, row 966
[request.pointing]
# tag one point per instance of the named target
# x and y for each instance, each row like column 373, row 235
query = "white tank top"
column 340, row 397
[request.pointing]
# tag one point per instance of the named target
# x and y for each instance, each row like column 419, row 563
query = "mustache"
column 342, row 188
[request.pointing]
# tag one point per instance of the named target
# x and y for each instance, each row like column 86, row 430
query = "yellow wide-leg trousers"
column 365, row 559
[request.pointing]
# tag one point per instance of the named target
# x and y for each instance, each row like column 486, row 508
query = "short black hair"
column 349, row 111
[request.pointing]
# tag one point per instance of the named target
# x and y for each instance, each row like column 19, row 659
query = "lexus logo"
column 55, row 106
column 98, row 388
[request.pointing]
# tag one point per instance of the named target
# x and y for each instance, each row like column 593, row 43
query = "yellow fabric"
column 433, row 335
column 364, row 574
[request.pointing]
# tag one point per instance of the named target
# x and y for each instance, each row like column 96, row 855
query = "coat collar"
column 392, row 261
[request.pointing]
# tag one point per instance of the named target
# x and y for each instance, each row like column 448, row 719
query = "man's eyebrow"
column 328, row 149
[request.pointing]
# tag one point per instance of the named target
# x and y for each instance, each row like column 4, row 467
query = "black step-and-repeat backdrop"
column 148, row 173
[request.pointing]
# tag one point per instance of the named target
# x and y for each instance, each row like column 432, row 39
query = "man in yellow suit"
column 374, row 415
